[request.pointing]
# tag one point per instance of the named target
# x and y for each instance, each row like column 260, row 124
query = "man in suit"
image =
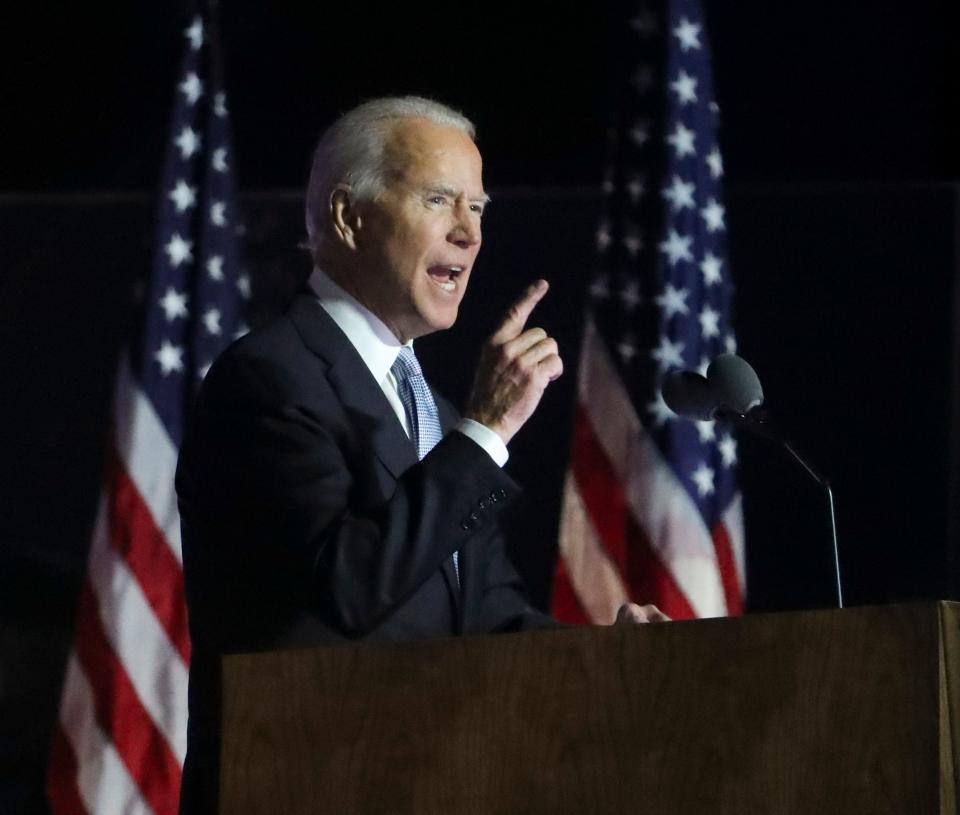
column 326, row 493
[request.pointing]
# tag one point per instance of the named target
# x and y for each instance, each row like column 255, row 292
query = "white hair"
column 351, row 152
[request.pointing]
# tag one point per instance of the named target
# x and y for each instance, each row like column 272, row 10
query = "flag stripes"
column 148, row 455
column 150, row 559
column 101, row 780
column 120, row 712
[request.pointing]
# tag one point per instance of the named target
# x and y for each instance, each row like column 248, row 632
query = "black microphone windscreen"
column 735, row 383
column 689, row 395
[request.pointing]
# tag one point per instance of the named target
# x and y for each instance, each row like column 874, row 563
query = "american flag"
column 651, row 509
column 120, row 739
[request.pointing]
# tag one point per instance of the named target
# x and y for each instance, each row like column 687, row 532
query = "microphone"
column 730, row 389
column 731, row 392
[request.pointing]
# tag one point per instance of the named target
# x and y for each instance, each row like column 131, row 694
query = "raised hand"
column 516, row 365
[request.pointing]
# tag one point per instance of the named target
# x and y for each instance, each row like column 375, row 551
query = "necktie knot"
column 406, row 365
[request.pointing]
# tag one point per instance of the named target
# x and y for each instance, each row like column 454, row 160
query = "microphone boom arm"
column 757, row 421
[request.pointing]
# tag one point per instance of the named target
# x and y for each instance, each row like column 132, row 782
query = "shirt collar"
column 377, row 345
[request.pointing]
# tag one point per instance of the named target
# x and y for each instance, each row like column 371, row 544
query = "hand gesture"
column 516, row 365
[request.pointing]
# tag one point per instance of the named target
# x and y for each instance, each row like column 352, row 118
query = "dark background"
column 841, row 149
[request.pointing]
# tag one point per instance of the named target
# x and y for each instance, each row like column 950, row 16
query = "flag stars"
column 215, row 268
column 174, row 304
column 603, row 237
column 242, row 329
column 706, row 431
column 636, row 189
column 188, row 141
column 218, row 210
column 183, row 196
column 680, row 194
column 191, row 88
column 640, row 132
column 673, row 301
column 713, row 214
column 730, row 344
column 677, row 247
column 659, row 411
column 685, row 87
column 627, row 348
column 630, row 295
column 682, row 141
column 703, row 478
column 715, row 163
column 195, row 34
column 668, row 354
column 178, row 250
column 728, row 450
column 243, row 286
column 220, row 104
column 633, row 242
column 170, row 358
column 688, row 35
column 600, row 288
column 710, row 267
column 211, row 321
column 709, row 322
column 218, row 161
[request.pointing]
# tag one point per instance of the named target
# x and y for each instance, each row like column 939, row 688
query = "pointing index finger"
column 519, row 312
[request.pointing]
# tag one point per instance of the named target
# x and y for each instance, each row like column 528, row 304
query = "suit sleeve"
column 270, row 473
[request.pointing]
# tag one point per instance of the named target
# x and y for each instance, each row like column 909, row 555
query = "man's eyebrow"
column 444, row 189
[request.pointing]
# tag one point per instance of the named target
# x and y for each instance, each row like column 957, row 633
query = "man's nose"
column 466, row 231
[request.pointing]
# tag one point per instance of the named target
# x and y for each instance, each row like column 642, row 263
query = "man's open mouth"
column 445, row 276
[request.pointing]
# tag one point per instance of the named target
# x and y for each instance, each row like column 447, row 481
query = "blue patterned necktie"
column 420, row 408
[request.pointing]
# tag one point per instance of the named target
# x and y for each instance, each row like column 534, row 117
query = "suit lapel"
column 363, row 398
column 360, row 394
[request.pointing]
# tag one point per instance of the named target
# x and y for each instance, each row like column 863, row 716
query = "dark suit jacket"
column 308, row 520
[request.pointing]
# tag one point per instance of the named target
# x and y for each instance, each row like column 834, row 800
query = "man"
column 319, row 502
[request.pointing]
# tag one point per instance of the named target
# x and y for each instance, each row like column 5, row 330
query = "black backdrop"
column 840, row 146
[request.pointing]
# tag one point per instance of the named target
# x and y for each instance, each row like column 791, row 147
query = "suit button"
column 502, row 493
column 474, row 517
column 494, row 497
column 482, row 503
column 466, row 525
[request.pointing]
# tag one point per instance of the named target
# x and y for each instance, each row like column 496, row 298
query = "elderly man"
column 327, row 494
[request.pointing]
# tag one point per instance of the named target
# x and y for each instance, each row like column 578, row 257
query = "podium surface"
column 852, row 711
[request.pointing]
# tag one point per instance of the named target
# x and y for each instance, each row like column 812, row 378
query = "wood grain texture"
column 848, row 711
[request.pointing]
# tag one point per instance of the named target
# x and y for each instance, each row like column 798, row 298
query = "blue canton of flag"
column 660, row 299
column 197, row 290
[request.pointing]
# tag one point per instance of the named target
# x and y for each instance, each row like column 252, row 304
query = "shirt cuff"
column 486, row 438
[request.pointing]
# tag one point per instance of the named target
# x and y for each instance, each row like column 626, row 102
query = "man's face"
column 418, row 240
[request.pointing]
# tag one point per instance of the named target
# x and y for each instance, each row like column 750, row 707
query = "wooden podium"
column 852, row 711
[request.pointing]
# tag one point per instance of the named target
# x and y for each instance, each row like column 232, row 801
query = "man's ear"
column 345, row 216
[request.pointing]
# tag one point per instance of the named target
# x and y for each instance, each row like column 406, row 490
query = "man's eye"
column 439, row 200
column 478, row 208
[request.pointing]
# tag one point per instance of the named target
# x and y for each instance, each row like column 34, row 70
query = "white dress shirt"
column 378, row 348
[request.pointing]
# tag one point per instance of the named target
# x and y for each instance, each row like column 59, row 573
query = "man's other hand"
column 516, row 365
column 630, row 613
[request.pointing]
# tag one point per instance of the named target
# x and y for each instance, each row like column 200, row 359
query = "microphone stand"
column 756, row 421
